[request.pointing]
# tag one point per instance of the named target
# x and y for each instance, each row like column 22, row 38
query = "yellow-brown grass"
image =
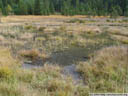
column 6, row 59
column 32, row 54
column 107, row 70
column 36, row 18
column 122, row 39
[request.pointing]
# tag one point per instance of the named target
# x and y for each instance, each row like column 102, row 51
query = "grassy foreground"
column 46, row 81
column 107, row 71
column 55, row 42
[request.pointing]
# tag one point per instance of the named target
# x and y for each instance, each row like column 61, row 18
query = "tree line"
column 64, row 7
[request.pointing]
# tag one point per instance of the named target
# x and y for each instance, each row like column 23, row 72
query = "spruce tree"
column 126, row 12
column 65, row 7
column 1, row 6
column 52, row 9
column 22, row 8
column 114, row 13
column 9, row 9
column 77, row 6
column 37, row 8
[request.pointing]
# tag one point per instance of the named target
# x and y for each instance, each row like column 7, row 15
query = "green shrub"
column 124, row 41
column 41, row 29
column 29, row 27
column 76, row 21
column 83, row 91
column 5, row 73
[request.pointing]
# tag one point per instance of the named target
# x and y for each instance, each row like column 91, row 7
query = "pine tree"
column 65, row 7
column 126, row 8
column 114, row 13
column 126, row 12
column 4, row 4
column 1, row 6
column 30, row 6
column 52, row 9
column 9, row 9
column 37, row 8
column 22, row 8
column 45, row 9
column 77, row 3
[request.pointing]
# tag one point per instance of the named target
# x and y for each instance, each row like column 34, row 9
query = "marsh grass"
column 60, row 40
column 120, row 38
column 6, row 59
column 65, row 44
column 81, row 21
column 107, row 70
column 45, row 81
column 76, row 21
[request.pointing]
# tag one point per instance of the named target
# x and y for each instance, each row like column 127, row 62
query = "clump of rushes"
column 7, row 64
column 10, row 90
column 122, row 39
column 5, row 73
column 28, row 27
column 107, row 70
column 6, row 59
column 76, row 21
column 31, row 54
column 54, row 71
column 41, row 29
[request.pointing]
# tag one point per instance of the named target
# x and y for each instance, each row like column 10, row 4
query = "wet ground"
column 20, row 39
column 67, row 71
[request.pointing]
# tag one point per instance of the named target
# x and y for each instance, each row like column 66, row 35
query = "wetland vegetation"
column 63, row 56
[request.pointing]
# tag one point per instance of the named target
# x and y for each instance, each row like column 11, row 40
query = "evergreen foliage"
column 65, row 7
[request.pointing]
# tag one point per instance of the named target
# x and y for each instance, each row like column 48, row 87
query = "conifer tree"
column 37, row 8
column 65, row 7
column 52, row 9
column 22, row 8
column 126, row 12
column 9, row 9
column 1, row 6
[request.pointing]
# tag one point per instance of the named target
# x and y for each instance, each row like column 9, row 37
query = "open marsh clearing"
column 63, row 56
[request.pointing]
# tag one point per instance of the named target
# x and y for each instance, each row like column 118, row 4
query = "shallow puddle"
column 30, row 66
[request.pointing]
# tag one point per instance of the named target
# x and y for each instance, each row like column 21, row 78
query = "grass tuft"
column 107, row 70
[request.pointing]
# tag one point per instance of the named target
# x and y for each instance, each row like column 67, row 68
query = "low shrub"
column 31, row 54
column 76, row 21
column 41, row 29
column 28, row 27
column 5, row 73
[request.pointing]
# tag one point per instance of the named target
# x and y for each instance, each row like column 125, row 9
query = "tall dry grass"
column 107, row 71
